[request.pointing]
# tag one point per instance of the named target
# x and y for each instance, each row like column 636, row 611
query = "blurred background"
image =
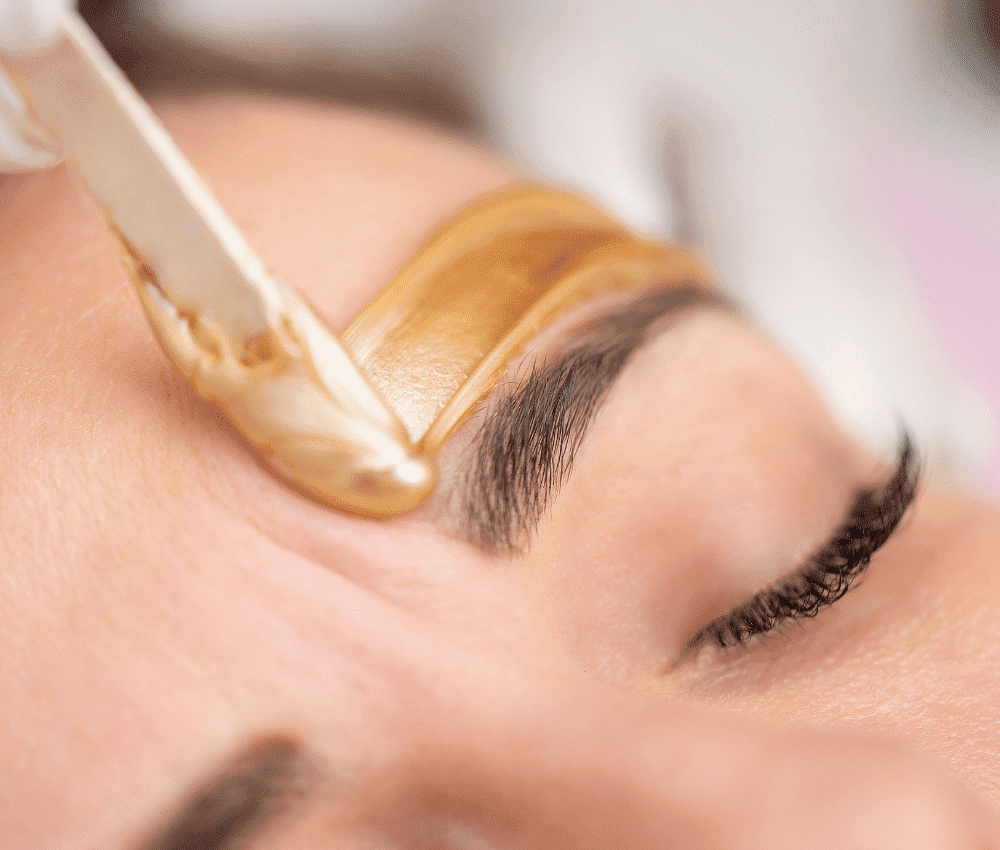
column 838, row 161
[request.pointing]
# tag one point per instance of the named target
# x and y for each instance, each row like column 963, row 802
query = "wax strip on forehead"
column 437, row 339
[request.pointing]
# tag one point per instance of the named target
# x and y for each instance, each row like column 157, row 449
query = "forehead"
column 336, row 202
column 129, row 542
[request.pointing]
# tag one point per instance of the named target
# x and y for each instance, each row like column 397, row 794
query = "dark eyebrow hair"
column 526, row 444
column 252, row 791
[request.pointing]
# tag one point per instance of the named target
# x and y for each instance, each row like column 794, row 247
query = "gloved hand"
column 26, row 26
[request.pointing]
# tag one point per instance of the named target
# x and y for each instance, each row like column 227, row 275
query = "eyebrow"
column 255, row 789
column 525, row 446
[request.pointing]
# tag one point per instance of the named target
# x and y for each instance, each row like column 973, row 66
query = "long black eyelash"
column 831, row 571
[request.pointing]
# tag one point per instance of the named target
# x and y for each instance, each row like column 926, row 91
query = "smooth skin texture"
column 165, row 601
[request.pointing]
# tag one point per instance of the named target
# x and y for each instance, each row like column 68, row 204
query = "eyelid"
column 828, row 573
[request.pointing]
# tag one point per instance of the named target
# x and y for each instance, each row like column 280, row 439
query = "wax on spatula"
column 244, row 339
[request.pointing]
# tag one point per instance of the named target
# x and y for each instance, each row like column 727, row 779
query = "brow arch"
column 526, row 444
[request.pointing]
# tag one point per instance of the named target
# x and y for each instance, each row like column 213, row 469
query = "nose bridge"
column 526, row 756
column 555, row 768
column 588, row 768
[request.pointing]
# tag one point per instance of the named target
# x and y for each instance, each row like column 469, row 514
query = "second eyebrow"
column 526, row 446
column 255, row 789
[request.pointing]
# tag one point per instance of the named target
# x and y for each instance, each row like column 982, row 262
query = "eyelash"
column 831, row 571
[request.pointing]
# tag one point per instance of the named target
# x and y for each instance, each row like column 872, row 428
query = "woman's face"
column 189, row 647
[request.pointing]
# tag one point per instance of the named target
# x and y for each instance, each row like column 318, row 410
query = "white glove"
column 26, row 26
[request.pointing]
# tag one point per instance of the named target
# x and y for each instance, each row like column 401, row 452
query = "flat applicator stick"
column 244, row 339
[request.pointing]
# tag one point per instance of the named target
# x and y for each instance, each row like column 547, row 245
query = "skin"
column 164, row 599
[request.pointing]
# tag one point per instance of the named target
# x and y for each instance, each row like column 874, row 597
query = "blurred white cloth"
column 758, row 111
column 26, row 26
column 30, row 25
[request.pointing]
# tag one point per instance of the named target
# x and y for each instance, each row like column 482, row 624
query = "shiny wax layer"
column 440, row 335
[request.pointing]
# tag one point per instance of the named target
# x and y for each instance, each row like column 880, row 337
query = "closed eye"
column 830, row 571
